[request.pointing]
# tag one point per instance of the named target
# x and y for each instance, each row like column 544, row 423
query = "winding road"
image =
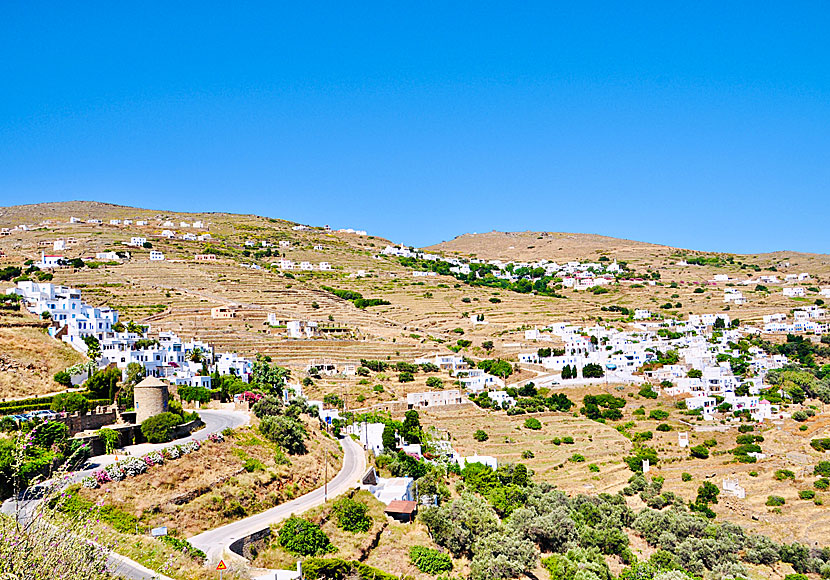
column 23, row 507
column 216, row 543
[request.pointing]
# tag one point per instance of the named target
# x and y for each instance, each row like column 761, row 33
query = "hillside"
column 564, row 247
column 424, row 314
column 29, row 358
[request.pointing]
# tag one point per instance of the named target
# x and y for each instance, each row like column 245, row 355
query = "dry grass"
column 29, row 359
column 211, row 487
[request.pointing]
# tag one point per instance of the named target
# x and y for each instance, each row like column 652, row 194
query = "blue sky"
column 702, row 125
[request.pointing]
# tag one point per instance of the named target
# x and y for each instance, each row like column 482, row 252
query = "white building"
column 156, row 256
column 435, row 399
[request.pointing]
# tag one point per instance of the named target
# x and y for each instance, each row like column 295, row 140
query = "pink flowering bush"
column 101, row 476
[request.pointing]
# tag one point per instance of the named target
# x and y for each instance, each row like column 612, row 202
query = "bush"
column 303, row 538
column 63, row 379
column 406, row 377
column 159, row 428
column 822, row 484
column 647, row 392
column 287, row 432
column 800, row 416
column 480, row 435
column 699, row 451
column 533, row 423
column 775, row 500
column 70, row 403
column 820, row 444
column 435, row 383
column 664, row 427
column 352, row 516
column 658, row 414
column 568, row 440
column 782, row 474
column 527, row 454
column 686, row 476
column 184, row 546
column 806, row 494
column 577, row 458
column 430, row 560
column 338, row 569
column 823, row 469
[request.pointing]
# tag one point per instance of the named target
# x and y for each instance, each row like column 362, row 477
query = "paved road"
column 216, row 543
column 25, row 505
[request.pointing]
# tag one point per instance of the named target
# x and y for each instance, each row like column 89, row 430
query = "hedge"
column 339, row 569
column 34, row 401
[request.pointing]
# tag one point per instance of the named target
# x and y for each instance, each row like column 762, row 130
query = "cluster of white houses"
column 807, row 320
column 167, row 356
column 625, row 352
column 284, row 264
column 576, row 275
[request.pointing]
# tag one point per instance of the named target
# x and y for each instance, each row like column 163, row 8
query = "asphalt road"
column 23, row 507
column 216, row 543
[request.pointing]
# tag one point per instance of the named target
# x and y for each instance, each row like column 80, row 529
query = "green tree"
column 480, row 435
column 110, row 438
column 411, row 431
column 390, row 443
column 93, row 347
column 303, row 538
column 592, row 371
column 269, row 378
column 287, row 432
column 104, row 384
column 70, row 403
column 352, row 516
column 63, row 379
column 159, row 428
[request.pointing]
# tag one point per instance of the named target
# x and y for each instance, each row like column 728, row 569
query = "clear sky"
column 696, row 124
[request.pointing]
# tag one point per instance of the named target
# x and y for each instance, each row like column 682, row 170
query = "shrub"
column 594, row 468
column 568, row 440
column 480, row 435
column 533, row 423
column 287, row 432
column 799, row 416
column 159, row 428
column 686, row 476
column 527, row 454
column 405, row 377
column 820, row 444
column 806, row 494
column 658, row 414
column 63, row 379
column 303, row 538
column 822, row 484
column 184, row 546
column 699, row 451
column 782, row 474
column 430, row 560
column 664, row 427
column 577, row 458
column 823, row 469
column 70, row 403
column 647, row 392
column 775, row 500
column 435, row 383
column 352, row 515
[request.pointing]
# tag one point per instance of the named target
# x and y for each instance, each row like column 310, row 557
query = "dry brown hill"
column 546, row 245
